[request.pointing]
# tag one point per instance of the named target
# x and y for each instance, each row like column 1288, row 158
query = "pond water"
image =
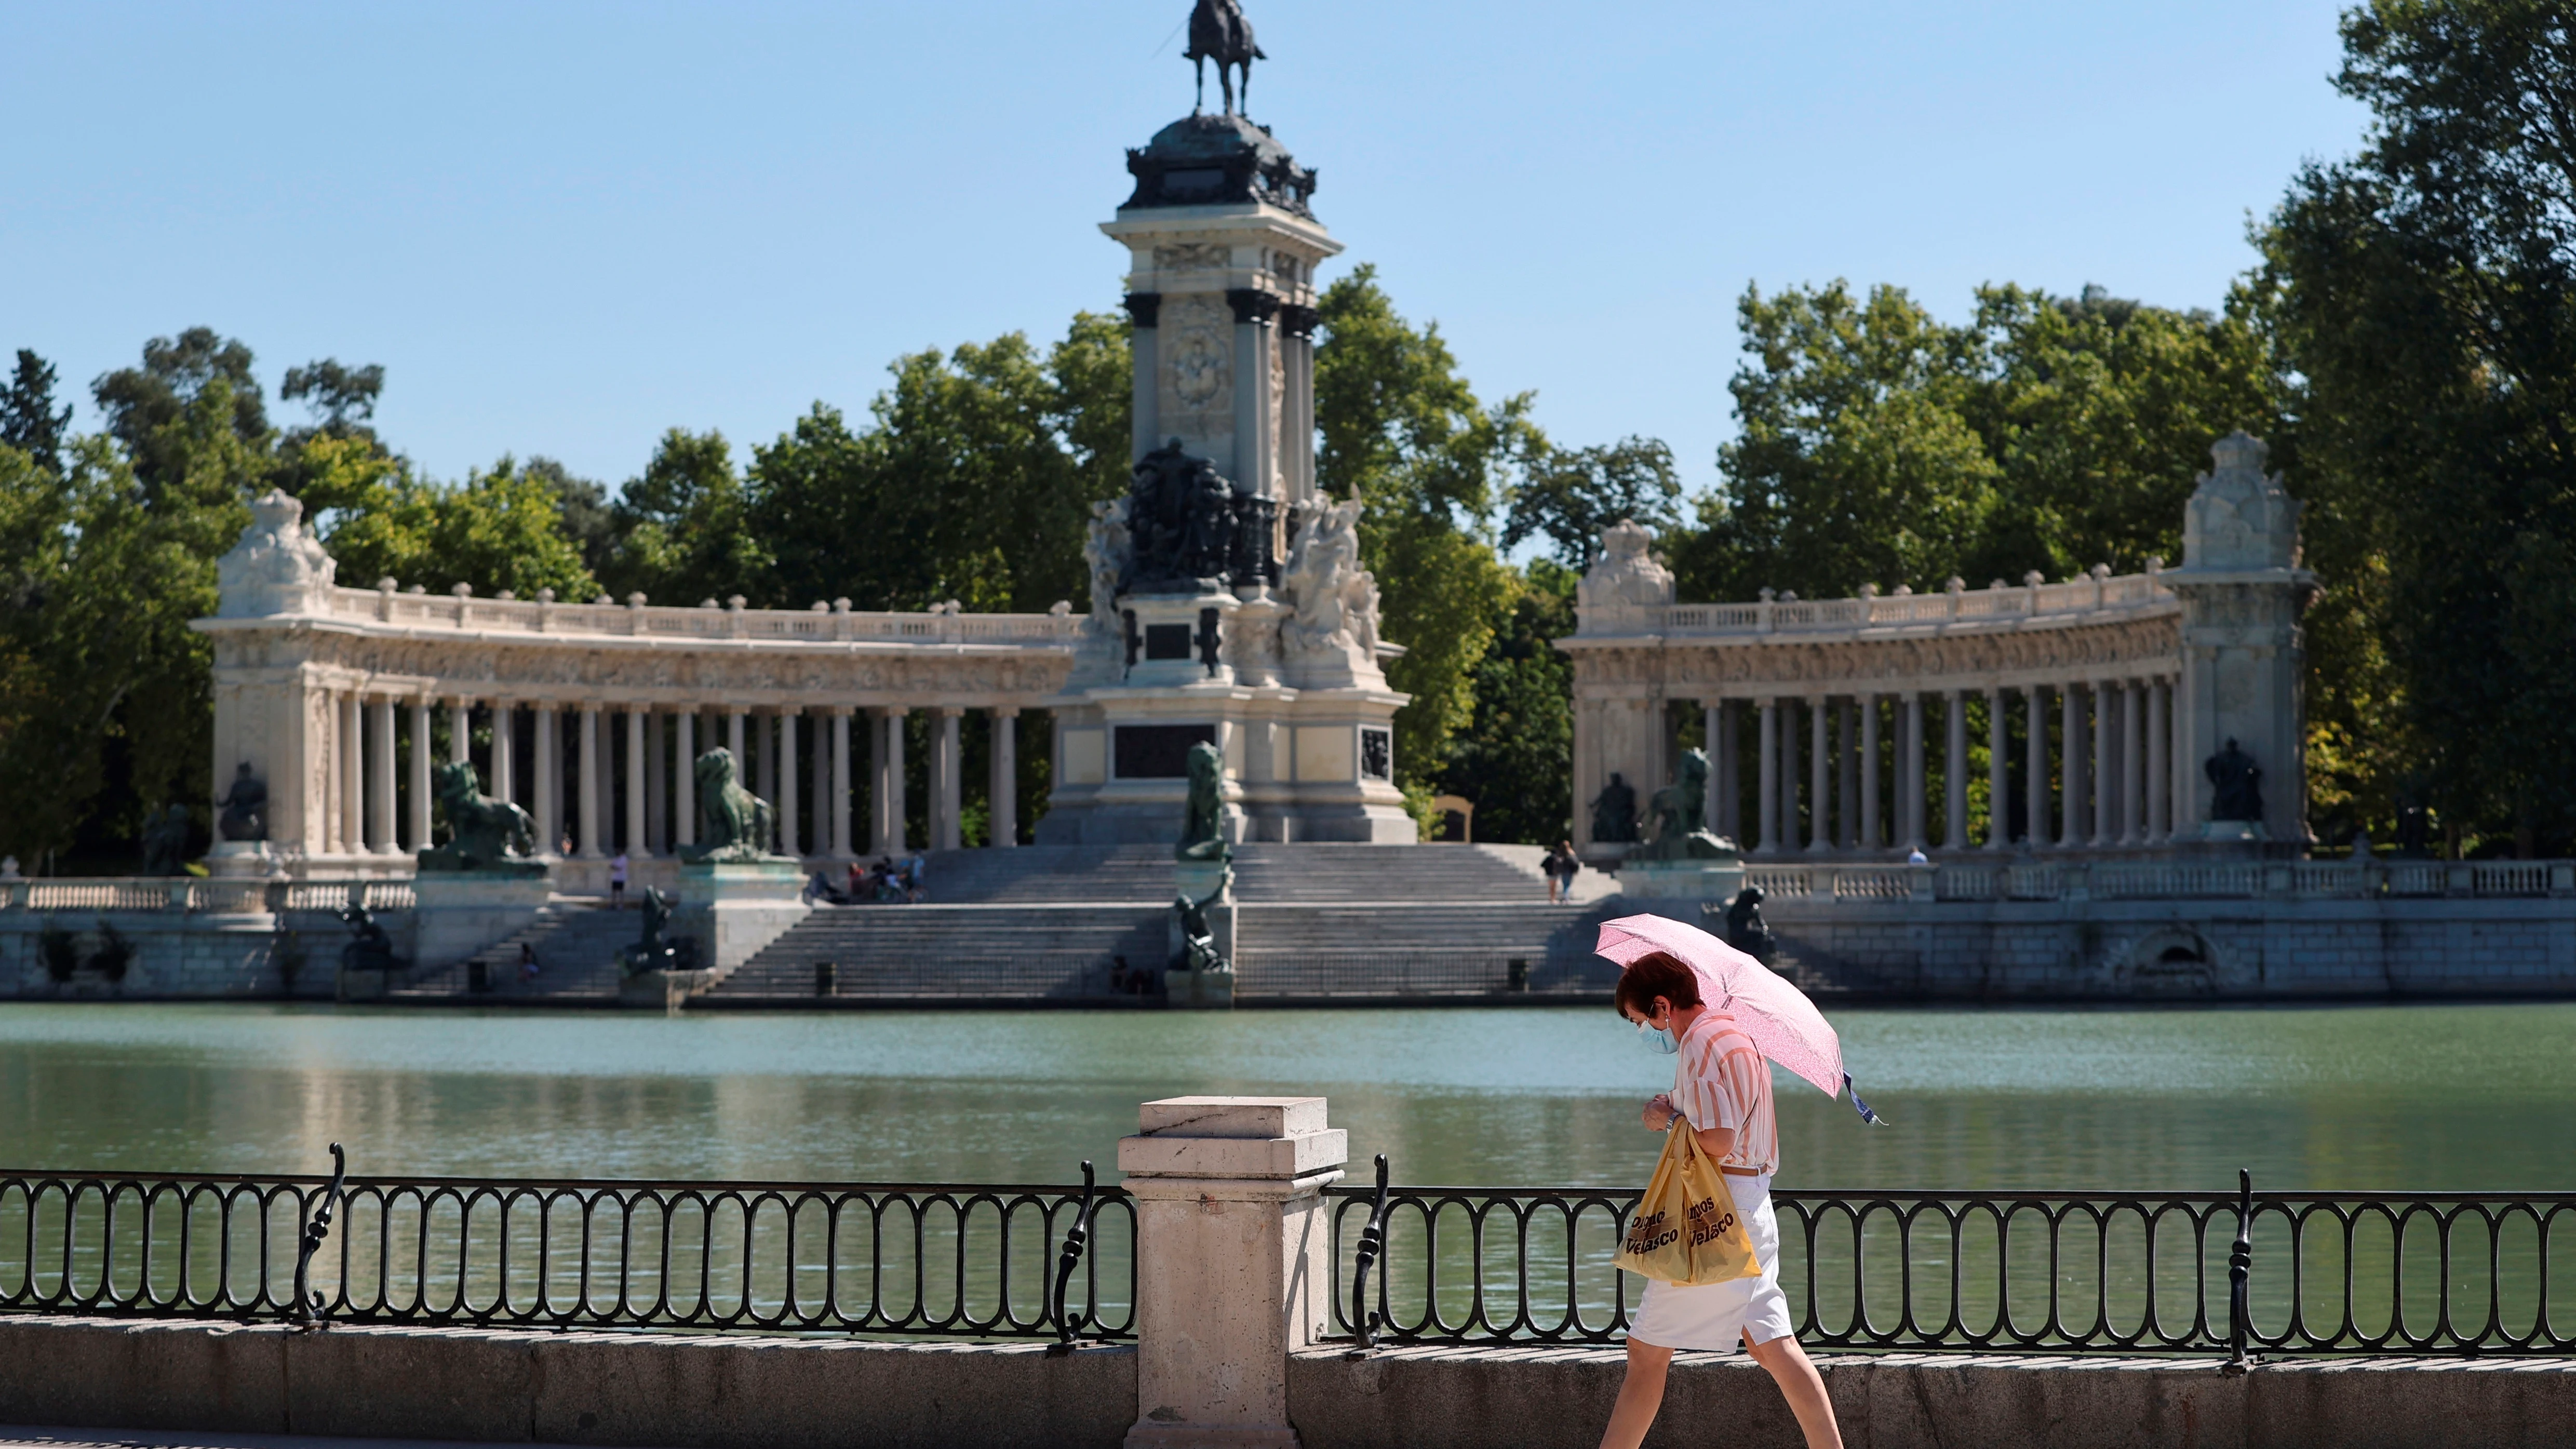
column 2391, row 1097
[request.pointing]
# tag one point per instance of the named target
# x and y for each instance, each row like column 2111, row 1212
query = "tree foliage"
column 29, row 421
column 2424, row 294
column 1514, row 756
column 1569, row 495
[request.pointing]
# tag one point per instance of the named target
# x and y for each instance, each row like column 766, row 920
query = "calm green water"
column 2362, row 1097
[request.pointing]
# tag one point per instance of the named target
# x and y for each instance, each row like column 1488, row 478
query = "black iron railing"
column 2242, row 1273
column 979, row 1261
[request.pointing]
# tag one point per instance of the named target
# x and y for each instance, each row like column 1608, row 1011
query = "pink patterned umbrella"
column 1778, row 1016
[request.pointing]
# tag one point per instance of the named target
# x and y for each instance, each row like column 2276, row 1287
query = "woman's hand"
column 1659, row 1113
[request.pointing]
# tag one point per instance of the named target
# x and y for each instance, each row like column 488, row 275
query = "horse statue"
column 735, row 826
column 1218, row 32
column 482, row 833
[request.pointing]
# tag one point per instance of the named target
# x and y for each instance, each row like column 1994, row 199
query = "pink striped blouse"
column 1721, row 1080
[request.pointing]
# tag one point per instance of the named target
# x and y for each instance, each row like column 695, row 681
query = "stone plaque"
column 1159, row 752
column 1167, row 641
column 1377, row 754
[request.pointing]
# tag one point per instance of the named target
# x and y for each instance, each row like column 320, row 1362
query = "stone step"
column 576, row 945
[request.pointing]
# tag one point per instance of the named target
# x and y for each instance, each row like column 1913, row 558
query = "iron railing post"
column 317, row 1228
column 1365, row 1320
column 1075, row 1238
column 2240, row 1271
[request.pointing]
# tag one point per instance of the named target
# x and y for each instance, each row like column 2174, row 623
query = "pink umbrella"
column 1778, row 1016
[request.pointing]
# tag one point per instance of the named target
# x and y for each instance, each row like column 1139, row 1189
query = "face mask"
column 1659, row 1038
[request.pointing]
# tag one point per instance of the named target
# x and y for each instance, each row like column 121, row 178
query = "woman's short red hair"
column 1651, row 976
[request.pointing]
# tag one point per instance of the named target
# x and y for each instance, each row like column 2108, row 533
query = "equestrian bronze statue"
column 1218, row 32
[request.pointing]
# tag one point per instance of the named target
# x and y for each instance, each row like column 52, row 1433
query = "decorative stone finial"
column 1627, row 576
column 2239, row 518
column 277, row 567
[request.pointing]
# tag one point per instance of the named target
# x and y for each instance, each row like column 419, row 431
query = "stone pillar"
column 1917, row 818
column 1002, row 802
column 657, row 780
column 1709, row 731
column 1954, row 774
column 1768, row 787
column 1848, row 798
column 2242, row 660
column 549, row 764
column 768, row 772
column 420, row 748
column 2105, row 769
column 734, row 742
column 2035, row 769
column 947, row 783
column 1869, row 772
column 1998, row 773
column 505, row 746
column 819, row 768
column 1730, row 774
column 586, row 816
column 2133, row 793
column 380, row 780
column 353, row 779
column 460, row 732
column 890, row 786
column 1142, row 310
column 1820, row 774
column 639, row 839
column 791, row 839
column 2159, row 764
column 2070, row 765
column 840, row 782
column 684, row 778
column 1255, row 365
column 1234, row 1266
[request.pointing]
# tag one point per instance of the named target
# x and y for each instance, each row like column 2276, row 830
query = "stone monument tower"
column 2239, row 718
column 1227, row 599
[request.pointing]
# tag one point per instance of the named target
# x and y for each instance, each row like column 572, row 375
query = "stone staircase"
column 948, row 953
column 576, row 942
column 1418, row 948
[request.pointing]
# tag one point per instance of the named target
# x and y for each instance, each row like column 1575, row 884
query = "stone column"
column 1255, row 363
column 657, row 780
column 1768, row 787
column 767, row 774
column 684, row 778
column 1998, row 774
column 1820, row 774
column 2070, row 765
column 1002, row 802
column 890, row 786
column 639, row 840
column 2133, row 793
column 380, row 781
column 947, row 782
column 734, row 742
column 420, row 748
column 1917, row 818
column 2105, row 769
column 791, row 839
column 353, row 779
column 820, row 776
column 1730, row 774
column 840, row 782
column 1234, row 1266
column 1869, row 772
column 460, row 732
column 1848, row 798
column 1142, row 310
column 1954, row 775
column 505, row 746
column 2035, row 769
column 586, row 816
column 2159, row 764
column 549, row 764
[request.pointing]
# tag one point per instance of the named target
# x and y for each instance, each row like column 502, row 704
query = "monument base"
column 2233, row 832
column 663, row 991
column 734, row 910
column 457, row 913
column 240, row 860
column 1199, row 990
column 1695, row 880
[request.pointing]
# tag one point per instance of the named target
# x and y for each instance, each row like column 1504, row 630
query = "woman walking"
column 1722, row 1092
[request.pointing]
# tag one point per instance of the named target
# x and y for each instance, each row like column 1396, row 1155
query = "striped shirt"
column 1721, row 1080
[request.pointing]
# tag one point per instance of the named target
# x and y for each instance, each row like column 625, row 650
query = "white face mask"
column 1659, row 1038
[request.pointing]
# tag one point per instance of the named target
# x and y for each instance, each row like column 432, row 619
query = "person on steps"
column 1722, row 1090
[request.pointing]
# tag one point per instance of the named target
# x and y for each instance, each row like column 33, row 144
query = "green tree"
column 1568, row 496
column 1402, row 430
column 685, row 525
column 343, row 398
column 141, row 403
column 29, row 421
column 502, row 528
column 2424, row 293
column 1515, row 755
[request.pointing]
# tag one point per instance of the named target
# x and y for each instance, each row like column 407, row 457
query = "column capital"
column 1005, row 711
column 948, row 711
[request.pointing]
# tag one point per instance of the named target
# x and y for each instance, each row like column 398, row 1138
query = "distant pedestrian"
column 916, row 886
column 1560, row 867
column 527, row 962
column 617, row 882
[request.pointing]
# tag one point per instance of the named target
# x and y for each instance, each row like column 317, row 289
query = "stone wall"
column 743, row 1392
column 295, row 953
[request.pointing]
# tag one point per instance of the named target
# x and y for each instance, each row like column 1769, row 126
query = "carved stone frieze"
column 2150, row 645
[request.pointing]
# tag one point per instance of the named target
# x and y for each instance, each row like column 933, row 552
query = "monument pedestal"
column 1201, row 990
column 1694, row 880
column 457, row 913
column 734, row 910
column 240, row 860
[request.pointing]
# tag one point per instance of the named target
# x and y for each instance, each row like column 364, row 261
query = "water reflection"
column 2390, row 1097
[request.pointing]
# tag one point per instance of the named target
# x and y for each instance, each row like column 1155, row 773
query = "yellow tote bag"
column 1686, row 1230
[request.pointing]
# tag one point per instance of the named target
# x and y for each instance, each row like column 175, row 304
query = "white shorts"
column 1718, row 1316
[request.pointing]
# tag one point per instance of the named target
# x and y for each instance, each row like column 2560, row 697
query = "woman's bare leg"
column 1641, row 1393
column 1799, row 1383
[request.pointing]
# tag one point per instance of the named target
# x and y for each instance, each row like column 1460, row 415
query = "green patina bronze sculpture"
column 1199, row 951
column 482, row 833
column 735, row 827
column 651, row 952
column 1676, row 812
column 1203, row 829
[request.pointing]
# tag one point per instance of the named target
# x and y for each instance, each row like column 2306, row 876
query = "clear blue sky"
column 564, row 227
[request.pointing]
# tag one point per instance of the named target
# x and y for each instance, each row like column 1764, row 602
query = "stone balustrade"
column 2151, row 880
column 188, row 895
